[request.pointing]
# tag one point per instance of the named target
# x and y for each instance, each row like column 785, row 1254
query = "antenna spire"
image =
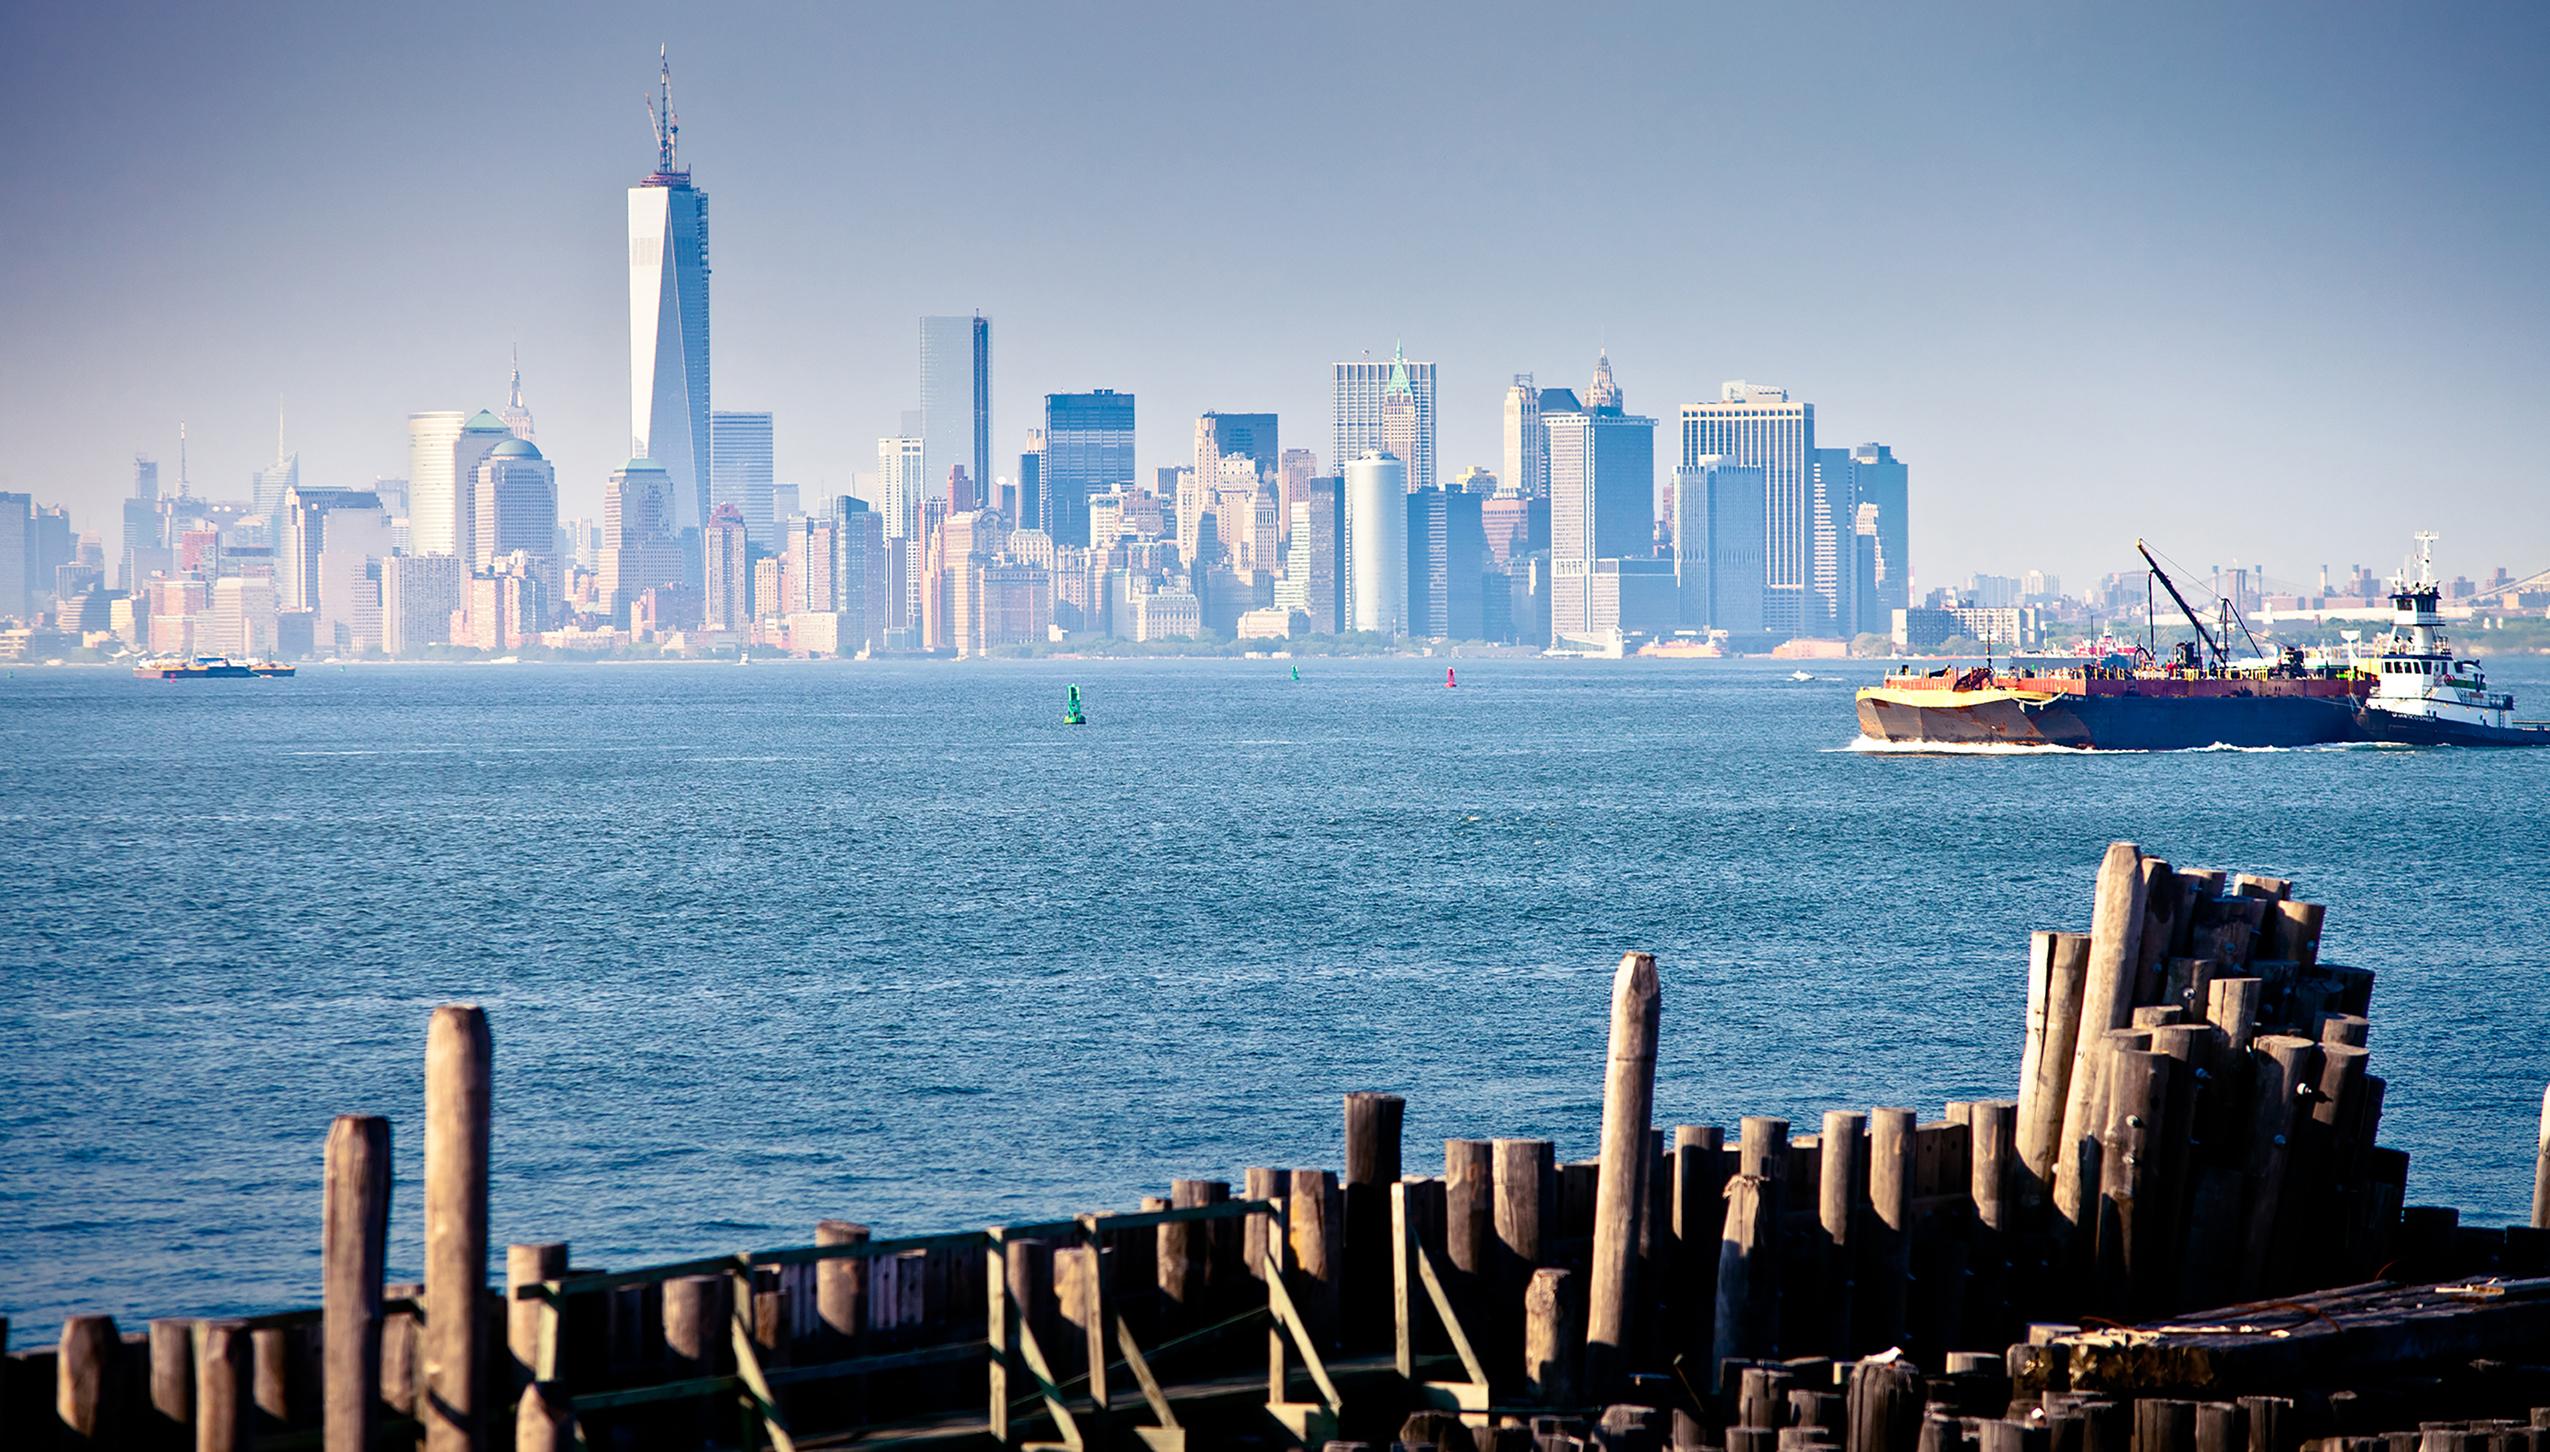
column 660, row 114
column 181, row 458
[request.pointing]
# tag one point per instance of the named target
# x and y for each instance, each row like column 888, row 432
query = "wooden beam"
column 1629, row 1091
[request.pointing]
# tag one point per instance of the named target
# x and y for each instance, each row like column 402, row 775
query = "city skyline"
column 2074, row 228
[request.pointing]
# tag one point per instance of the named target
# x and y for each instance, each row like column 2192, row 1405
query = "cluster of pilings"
column 2195, row 1125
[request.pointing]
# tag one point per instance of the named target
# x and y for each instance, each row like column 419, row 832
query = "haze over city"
column 2094, row 275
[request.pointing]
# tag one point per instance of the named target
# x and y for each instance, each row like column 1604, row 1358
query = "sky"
column 2262, row 283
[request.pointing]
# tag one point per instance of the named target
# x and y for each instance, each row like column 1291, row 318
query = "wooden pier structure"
column 2181, row 1235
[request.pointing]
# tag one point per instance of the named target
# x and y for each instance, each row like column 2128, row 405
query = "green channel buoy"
column 1072, row 715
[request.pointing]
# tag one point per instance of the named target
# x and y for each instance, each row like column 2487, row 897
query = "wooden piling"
column 2116, row 927
column 1883, row 1413
column 354, row 1248
column 544, row 1419
column 87, row 1379
column 172, row 1381
column 1313, row 1207
column 1629, row 1087
column 2132, row 1239
column 841, row 1286
column 1748, row 1274
column 2058, row 973
column 1699, row 1209
column 2281, row 1064
column 271, row 1346
column 225, row 1368
column 1993, row 1171
column 2541, row 1169
column 1185, row 1260
column 2231, row 1005
column 1888, row 1267
column 458, row 1061
column 1526, row 1201
column 1552, row 1329
column 1373, row 1125
column 526, row 1318
column 1841, row 1199
column 1469, row 1229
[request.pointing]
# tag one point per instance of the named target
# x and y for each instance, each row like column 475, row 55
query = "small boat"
column 206, row 668
column 1801, row 675
column 1072, row 714
column 1448, row 682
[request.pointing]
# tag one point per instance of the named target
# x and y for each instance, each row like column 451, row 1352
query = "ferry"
column 2423, row 694
column 206, row 668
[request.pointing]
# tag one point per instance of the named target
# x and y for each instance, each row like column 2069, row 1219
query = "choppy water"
column 888, row 942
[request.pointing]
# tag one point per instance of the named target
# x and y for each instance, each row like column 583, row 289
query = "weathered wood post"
column 1891, row 1173
column 696, row 1344
column 1550, row 1335
column 2280, row 1065
column 1883, row 1413
column 1992, row 1175
column 1526, row 1204
column 544, row 1420
column 87, row 1378
column 1699, row 1211
column 2132, row 1242
column 1313, row 1212
column 1748, row 1310
column 458, row 1085
column 2058, row 972
column 2541, row 1169
column 225, row 1362
column 841, row 1286
column 273, row 1380
column 354, row 1247
column 1372, row 1166
column 1841, row 1192
column 2116, row 933
column 1469, row 1224
column 526, row 1317
column 172, row 1357
column 1261, row 1183
column 1185, row 1265
column 1629, row 1087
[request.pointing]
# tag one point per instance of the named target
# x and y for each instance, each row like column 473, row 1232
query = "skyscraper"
column 1031, row 482
column 1231, row 435
column 1088, row 450
column 668, row 318
column 1377, row 545
column 266, row 490
column 517, row 414
column 640, row 544
column 305, row 527
column 1387, row 407
column 514, row 509
column 740, row 472
column 1717, row 544
column 1447, row 546
column 433, row 493
column 1602, row 482
column 901, row 466
column 1882, row 486
column 724, row 544
column 956, row 398
column 1750, row 424
column 1526, row 442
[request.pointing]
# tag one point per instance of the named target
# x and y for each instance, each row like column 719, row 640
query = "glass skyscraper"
column 1387, row 406
column 740, row 472
column 1750, row 424
column 956, row 401
column 668, row 322
column 1088, row 450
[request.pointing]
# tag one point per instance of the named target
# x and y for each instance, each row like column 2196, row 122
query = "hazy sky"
column 2259, row 282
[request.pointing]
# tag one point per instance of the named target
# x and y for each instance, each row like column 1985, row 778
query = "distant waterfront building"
column 641, row 550
column 1447, row 549
column 433, row 508
column 1228, row 435
column 242, row 624
column 859, row 573
column 1376, row 548
column 1526, row 443
column 901, row 459
column 1602, row 480
column 1717, row 544
column 956, row 396
column 419, row 593
column 1387, row 408
column 1882, row 486
column 17, row 553
column 515, row 510
column 1751, row 424
column 741, row 472
column 668, row 320
column 727, row 547
column 1294, row 469
column 806, row 565
column 274, row 481
column 307, row 527
column 1031, row 482
column 1088, row 450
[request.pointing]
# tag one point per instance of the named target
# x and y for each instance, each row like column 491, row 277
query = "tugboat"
column 2197, row 698
column 2423, row 695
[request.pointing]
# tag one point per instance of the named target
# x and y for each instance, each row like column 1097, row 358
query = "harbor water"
column 890, row 942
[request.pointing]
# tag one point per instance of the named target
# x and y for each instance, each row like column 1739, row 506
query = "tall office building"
column 516, row 413
column 1376, row 549
column 641, row 547
column 433, row 493
column 1236, row 435
column 1880, row 485
column 1749, row 424
column 859, row 573
column 725, row 544
column 1088, row 450
column 740, row 472
column 1717, row 544
column 668, row 318
column 418, row 595
column 1031, row 482
column 514, row 509
column 1387, row 407
column 17, row 554
column 303, row 529
column 1312, row 582
column 1602, row 481
column 1526, row 441
column 901, row 471
column 271, row 483
column 1447, row 566
column 956, row 397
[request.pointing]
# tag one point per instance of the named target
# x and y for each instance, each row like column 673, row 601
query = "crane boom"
column 2184, row 608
